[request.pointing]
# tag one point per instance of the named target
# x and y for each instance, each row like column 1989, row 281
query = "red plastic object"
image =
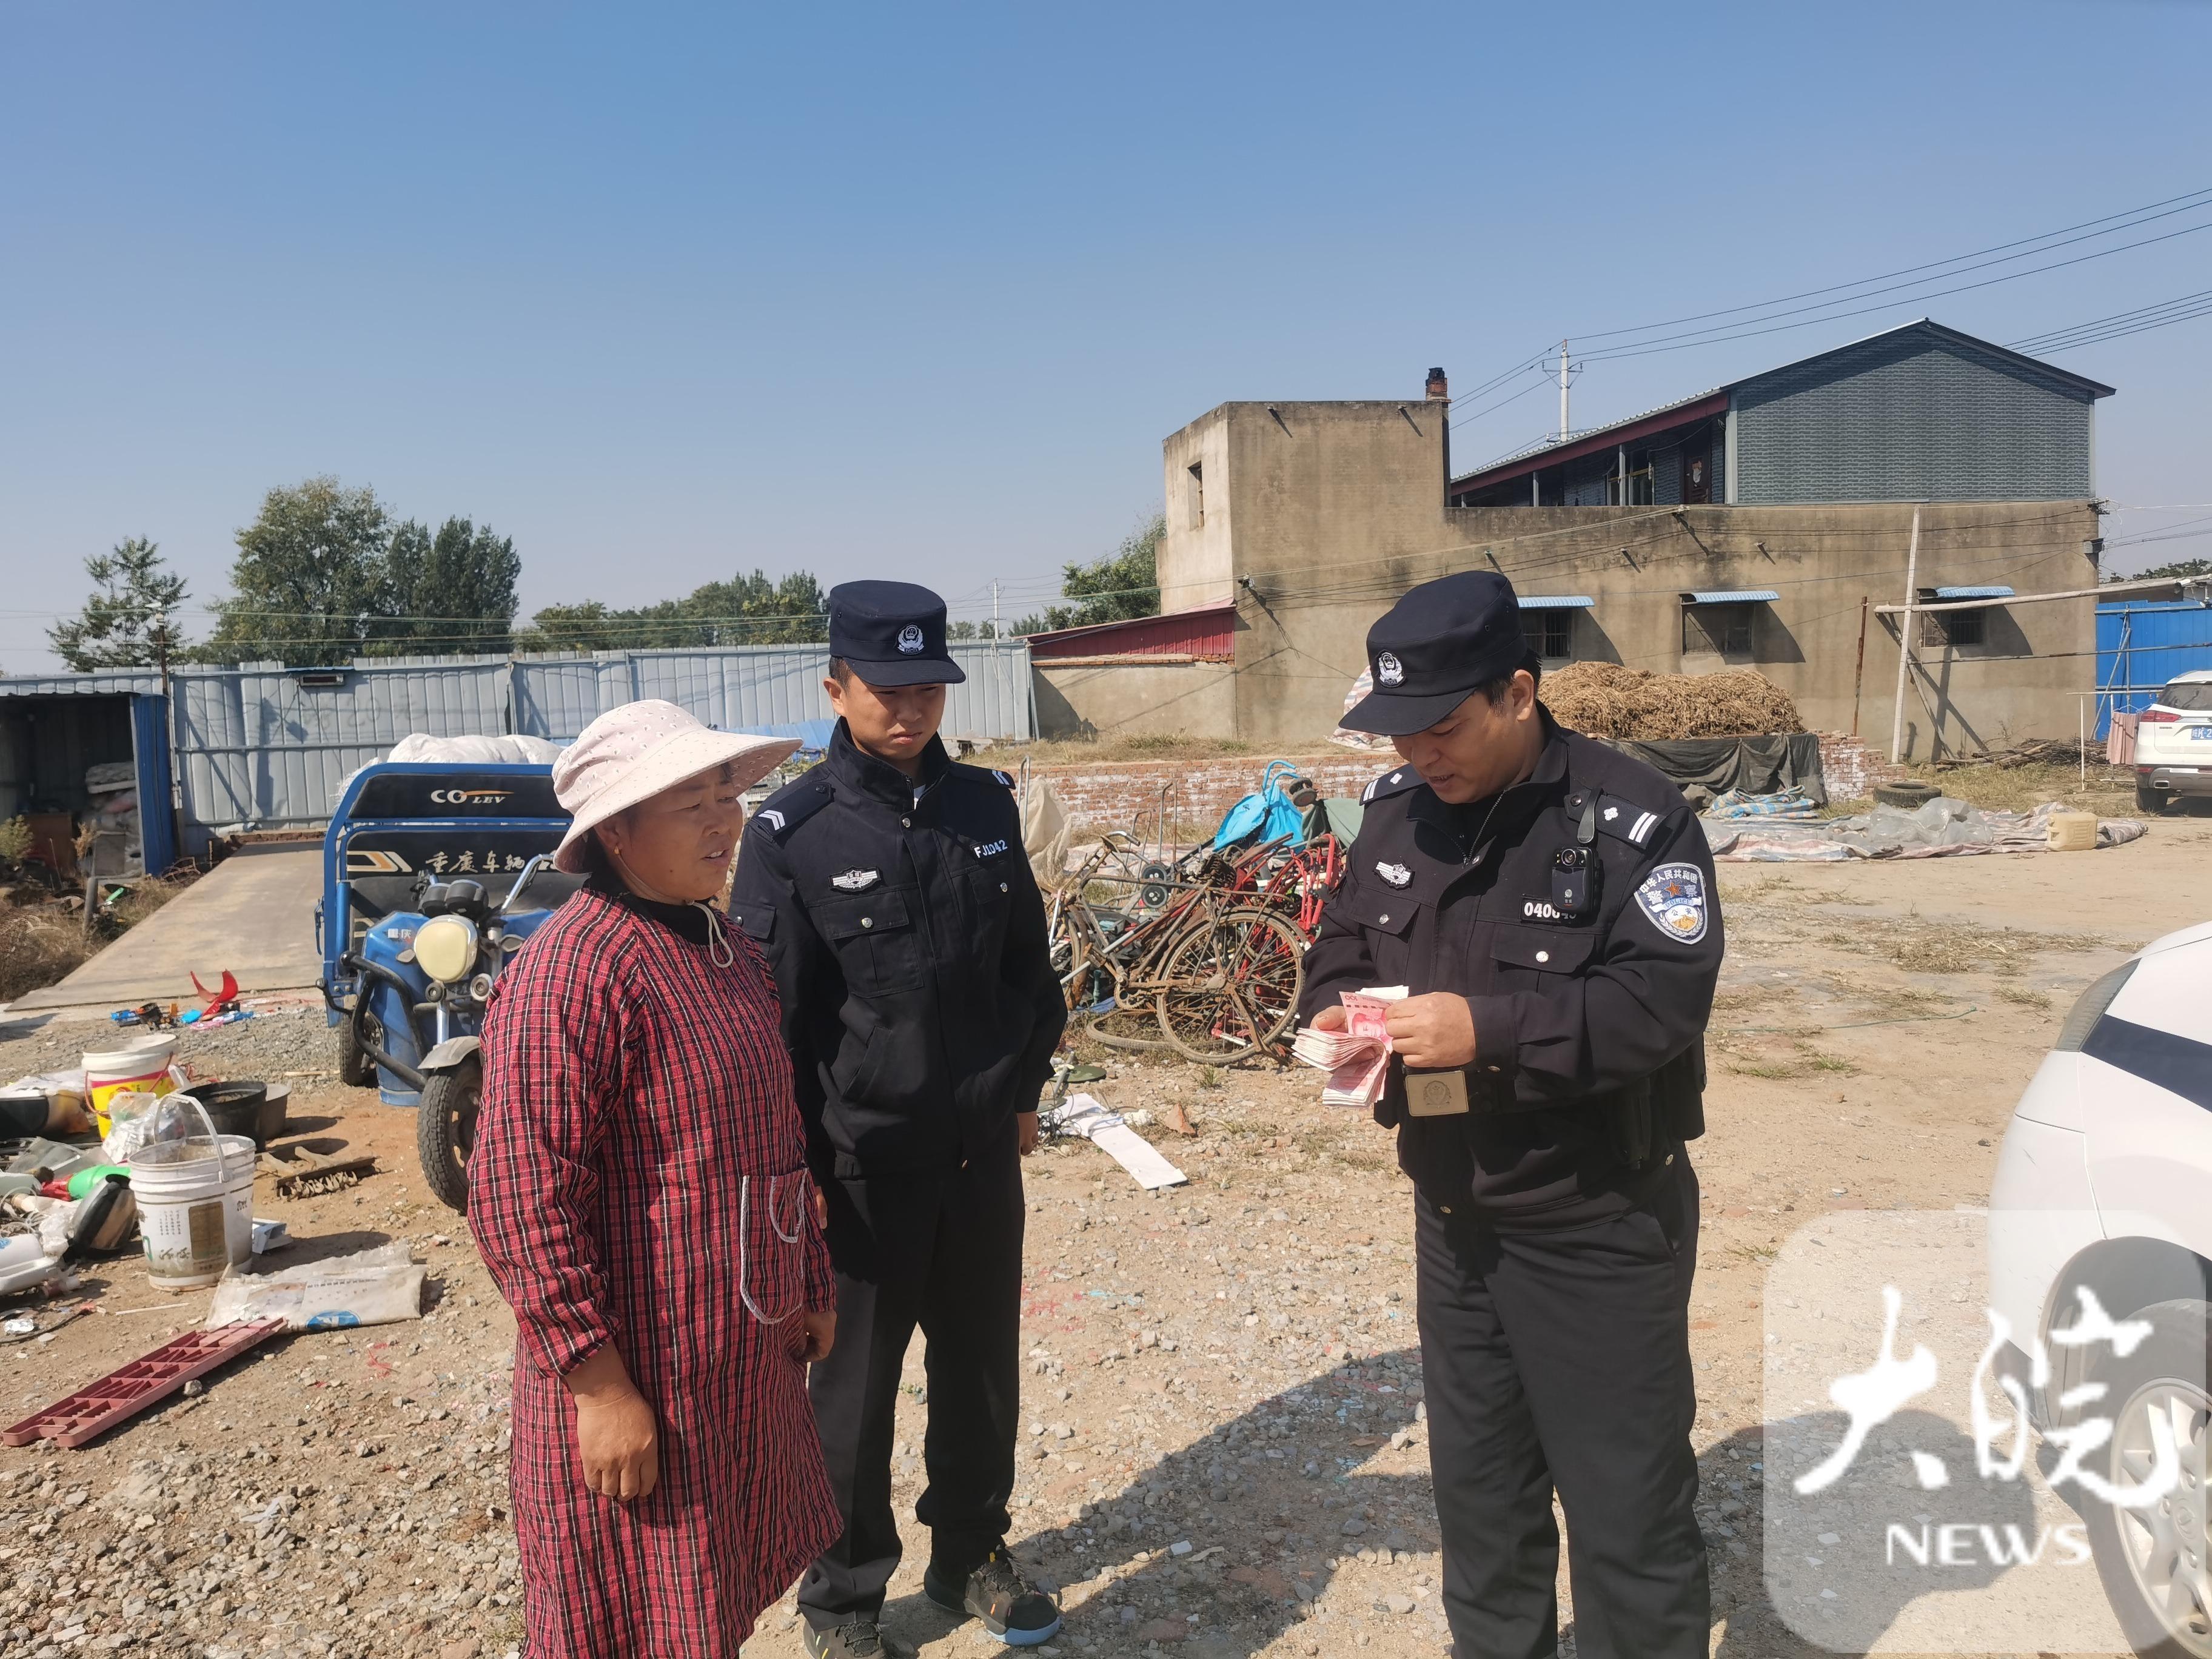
column 221, row 1000
column 91, row 1412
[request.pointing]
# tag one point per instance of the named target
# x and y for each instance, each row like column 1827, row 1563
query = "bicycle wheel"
column 1229, row 988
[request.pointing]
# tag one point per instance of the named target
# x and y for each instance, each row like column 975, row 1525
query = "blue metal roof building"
column 1918, row 413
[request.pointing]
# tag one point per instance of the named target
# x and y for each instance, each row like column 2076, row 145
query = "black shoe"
column 856, row 1638
column 1000, row 1594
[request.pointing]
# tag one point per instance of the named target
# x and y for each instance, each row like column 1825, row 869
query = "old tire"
column 446, row 1130
column 2153, row 1560
column 2148, row 800
column 1907, row 797
column 355, row 1069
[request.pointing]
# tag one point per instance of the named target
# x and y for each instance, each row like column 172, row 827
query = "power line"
column 2045, row 242
column 2195, row 197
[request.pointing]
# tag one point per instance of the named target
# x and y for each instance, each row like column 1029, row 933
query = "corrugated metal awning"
column 1557, row 602
column 1732, row 596
column 1993, row 591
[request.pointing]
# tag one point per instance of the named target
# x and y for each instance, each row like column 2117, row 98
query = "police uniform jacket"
column 1589, row 998
column 908, row 942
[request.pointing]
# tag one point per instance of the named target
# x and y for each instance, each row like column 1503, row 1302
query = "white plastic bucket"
column 142, row 1066
column 195, row 1207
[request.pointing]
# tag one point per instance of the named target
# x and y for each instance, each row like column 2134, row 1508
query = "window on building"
column 1197, row 496
column 1954, row 627
column 1550, row 633
column 1723, row 627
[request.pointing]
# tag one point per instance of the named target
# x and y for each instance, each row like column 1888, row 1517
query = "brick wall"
column 1126, row 795
column 1850, row 769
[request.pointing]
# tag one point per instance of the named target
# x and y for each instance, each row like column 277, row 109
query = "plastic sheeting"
column 1943, row 828
column 1703, row 768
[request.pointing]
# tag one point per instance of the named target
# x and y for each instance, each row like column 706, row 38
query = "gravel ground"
column 1230, row 1366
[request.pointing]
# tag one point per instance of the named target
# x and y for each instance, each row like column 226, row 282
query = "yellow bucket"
column 143, row 1067
column 2072, row 832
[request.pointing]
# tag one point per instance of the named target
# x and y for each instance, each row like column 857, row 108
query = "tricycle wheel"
column 446, row 1130
column 359, row 1033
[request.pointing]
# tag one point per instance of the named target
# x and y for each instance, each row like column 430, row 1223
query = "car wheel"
column 355, row 1069
column 446, row 1130
column 2149, row 800
column 2153, row 1560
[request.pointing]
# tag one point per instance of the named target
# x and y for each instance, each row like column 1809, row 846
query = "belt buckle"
column 1436, row 1094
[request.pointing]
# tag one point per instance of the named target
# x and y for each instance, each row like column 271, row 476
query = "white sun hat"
column 632, row 753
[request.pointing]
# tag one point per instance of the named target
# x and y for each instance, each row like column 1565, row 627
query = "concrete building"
column 1298, row 524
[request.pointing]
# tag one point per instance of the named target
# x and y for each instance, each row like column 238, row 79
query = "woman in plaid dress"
column 639, row 1191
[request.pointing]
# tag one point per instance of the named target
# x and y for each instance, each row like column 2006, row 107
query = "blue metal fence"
column 2142, row 646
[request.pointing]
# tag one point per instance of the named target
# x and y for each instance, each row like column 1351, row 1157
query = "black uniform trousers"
column 1560, row 1361
column 942, row 1251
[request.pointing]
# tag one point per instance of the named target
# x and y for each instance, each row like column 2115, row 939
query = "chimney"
column 1437, row 387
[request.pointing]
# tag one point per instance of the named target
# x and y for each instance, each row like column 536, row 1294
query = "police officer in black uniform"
column 1547, row 903
column 890, row 889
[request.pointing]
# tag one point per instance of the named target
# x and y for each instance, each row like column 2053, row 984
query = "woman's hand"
column 817, row 1332
column 617, row 1437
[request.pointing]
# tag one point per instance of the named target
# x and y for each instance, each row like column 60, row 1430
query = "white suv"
column 2174, row 742
column 2105, row 1186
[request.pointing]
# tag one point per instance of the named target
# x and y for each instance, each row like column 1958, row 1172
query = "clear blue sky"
column 669, row 292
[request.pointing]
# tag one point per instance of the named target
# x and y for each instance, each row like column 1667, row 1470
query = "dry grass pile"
column 38, row 944
column 1606, row 699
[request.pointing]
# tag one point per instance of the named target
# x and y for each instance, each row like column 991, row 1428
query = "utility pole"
column 1562, row 392
column 994, row 607
column 1904, row 641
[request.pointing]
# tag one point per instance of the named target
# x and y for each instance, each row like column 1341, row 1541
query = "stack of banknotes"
column 1357, row 1058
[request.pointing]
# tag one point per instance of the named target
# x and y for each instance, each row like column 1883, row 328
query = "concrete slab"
column 253, row 914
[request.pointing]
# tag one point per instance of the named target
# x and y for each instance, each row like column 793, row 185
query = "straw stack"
column 1606, row 700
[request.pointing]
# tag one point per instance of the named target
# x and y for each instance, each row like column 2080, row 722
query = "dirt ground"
column 1230, row 1366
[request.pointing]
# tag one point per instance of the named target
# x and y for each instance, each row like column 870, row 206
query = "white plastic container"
column 195, row 1207
column 142, row 1066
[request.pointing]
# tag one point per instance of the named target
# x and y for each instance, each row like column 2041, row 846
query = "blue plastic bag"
column 1269, row 811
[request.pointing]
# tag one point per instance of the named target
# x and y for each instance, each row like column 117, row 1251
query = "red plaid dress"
column 638, row 1143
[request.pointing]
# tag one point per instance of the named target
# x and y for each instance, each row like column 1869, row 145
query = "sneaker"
column 856, row 1638
column 1000, row 1594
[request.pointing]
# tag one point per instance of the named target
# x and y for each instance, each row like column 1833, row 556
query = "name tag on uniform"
column 1436, row 1094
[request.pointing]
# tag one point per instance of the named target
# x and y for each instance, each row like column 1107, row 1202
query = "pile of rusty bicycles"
column 1204, row 955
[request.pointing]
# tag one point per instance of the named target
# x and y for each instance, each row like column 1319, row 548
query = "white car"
column 2174, row 742
column 2105, row 1184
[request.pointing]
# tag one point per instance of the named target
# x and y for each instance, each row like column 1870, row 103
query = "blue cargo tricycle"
column 434, row 875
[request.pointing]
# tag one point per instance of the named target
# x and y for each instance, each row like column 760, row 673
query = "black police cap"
column 892, row 633
column 1434, row 647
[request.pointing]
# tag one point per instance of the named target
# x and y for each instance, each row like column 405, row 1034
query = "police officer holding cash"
column 890, row 891
column 1547, row 904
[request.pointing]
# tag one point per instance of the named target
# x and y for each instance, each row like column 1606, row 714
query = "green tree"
column 754, row 610
column 2180, row 567
column 1117, row 585
column 130, row 620
column 452, row 594
column 312, row 582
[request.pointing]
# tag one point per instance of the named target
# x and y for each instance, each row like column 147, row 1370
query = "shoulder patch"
column 1390, row 783
column 1626, row 821
column 792, row 805
column 980, row 774
column 1673, row 897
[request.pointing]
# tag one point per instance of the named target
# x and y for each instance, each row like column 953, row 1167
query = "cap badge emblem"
column 1396, row 874
column 854, row 881
column 909, row 640
column 1388, row 671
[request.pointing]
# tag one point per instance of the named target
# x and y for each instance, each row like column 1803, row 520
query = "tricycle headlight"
column 445, row 947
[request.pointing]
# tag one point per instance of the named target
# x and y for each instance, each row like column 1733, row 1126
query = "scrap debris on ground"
column 1224, row 1450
